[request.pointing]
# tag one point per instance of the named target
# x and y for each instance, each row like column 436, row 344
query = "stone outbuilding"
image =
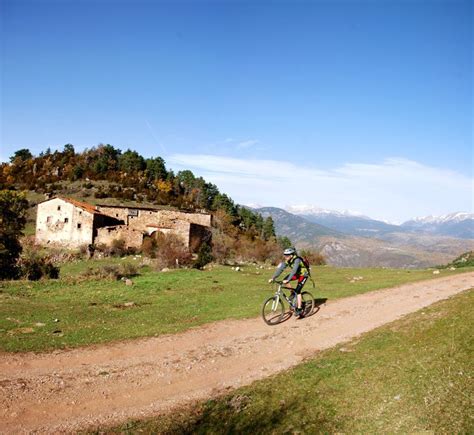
column 72, row 223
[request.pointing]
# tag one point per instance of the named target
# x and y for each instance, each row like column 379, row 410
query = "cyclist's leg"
column 301, row 282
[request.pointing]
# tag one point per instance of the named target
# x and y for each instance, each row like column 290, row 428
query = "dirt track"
column 63, row 391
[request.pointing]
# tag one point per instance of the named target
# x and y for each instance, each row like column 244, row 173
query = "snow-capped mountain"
column 347, row 222
column 459, row 224
column 317, row 211
column 452, row 217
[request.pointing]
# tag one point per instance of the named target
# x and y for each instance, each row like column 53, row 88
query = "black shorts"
column 301, row 282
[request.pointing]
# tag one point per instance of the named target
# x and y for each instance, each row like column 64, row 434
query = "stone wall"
column 133, row 238
column 141, row 218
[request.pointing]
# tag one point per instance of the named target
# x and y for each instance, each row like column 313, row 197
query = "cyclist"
column 298, row 273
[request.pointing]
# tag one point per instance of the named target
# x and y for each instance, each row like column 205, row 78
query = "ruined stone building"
column 71, row 223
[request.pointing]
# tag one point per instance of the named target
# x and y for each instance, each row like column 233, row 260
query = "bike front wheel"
column 272, row 311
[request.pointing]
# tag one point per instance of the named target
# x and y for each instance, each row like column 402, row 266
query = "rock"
column 128, row 282
column 436, row 272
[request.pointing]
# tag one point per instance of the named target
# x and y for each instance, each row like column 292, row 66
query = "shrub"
column 114, row 272
column 223, row 247
column 171, row 252
column 118, row 248
column 149, row 246
column 314, row 258
column 204, row 256
column 35, row 268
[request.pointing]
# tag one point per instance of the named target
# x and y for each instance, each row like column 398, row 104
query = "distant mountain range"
column 350, row 240
column 458, row 225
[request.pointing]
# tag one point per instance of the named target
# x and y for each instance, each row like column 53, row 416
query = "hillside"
column 390, row 249
column 106, row 175
column 294, row 227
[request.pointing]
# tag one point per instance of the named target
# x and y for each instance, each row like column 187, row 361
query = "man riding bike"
column 298, row 272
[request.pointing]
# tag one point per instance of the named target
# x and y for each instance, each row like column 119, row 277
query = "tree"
column 13, row 208
column 130, row 162
column 156, row 169
column 21, row 155
column 69, row 150
column 186, row 180
column 284, row 242
column 268, row 228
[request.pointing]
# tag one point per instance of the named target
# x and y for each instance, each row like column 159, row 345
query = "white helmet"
column 289, row 251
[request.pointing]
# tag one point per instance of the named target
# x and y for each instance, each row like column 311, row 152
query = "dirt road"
column 63, row 391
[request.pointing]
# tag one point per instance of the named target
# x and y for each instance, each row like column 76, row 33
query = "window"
column 59, row 207
column 49, row 219
column 66, row 220
column 80, row 213
column 79, row 226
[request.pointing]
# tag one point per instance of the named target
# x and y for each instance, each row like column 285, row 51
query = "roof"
column 128, row 206
column 87, row 207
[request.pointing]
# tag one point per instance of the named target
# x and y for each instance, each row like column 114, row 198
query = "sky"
column 358, row 105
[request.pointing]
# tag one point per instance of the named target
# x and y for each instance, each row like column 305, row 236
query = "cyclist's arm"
column 281, row 267
column 293, row 272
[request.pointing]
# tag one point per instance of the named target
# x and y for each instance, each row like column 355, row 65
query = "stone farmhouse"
column 71, row 223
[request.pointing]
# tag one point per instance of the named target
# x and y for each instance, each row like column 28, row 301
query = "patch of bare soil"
column 64, row 391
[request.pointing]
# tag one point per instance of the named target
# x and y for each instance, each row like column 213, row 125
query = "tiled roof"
column 87, row 207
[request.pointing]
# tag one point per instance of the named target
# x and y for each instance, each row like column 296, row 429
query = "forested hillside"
column 104, row 172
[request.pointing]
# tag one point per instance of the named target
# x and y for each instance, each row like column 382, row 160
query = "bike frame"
column 281, row 292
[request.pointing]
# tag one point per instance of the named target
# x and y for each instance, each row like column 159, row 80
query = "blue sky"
column 359, row 105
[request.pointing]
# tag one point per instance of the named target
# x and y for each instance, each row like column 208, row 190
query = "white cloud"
column 242, row 144
column 394, row 190
column 247, row 144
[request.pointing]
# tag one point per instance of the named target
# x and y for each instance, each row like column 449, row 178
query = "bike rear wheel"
column 307, row 303
column 272, row 310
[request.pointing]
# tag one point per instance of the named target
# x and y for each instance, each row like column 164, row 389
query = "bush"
column 314, row 258
column 118, row 248
column 171, row 252
column 149, row 247
column 35, row 268
column 114, row 272
column 204, row 256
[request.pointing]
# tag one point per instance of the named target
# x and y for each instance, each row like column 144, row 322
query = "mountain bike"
column 273, row 308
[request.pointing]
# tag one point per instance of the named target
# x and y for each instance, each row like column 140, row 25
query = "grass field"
column 74, row 311
column 414, row 375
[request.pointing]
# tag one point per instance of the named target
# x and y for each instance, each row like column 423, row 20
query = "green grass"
column 72, row 311
column 411, row 376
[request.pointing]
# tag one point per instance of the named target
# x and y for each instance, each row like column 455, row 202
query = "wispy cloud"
column 247, row 144
column 394, row 190
column 240, row 144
